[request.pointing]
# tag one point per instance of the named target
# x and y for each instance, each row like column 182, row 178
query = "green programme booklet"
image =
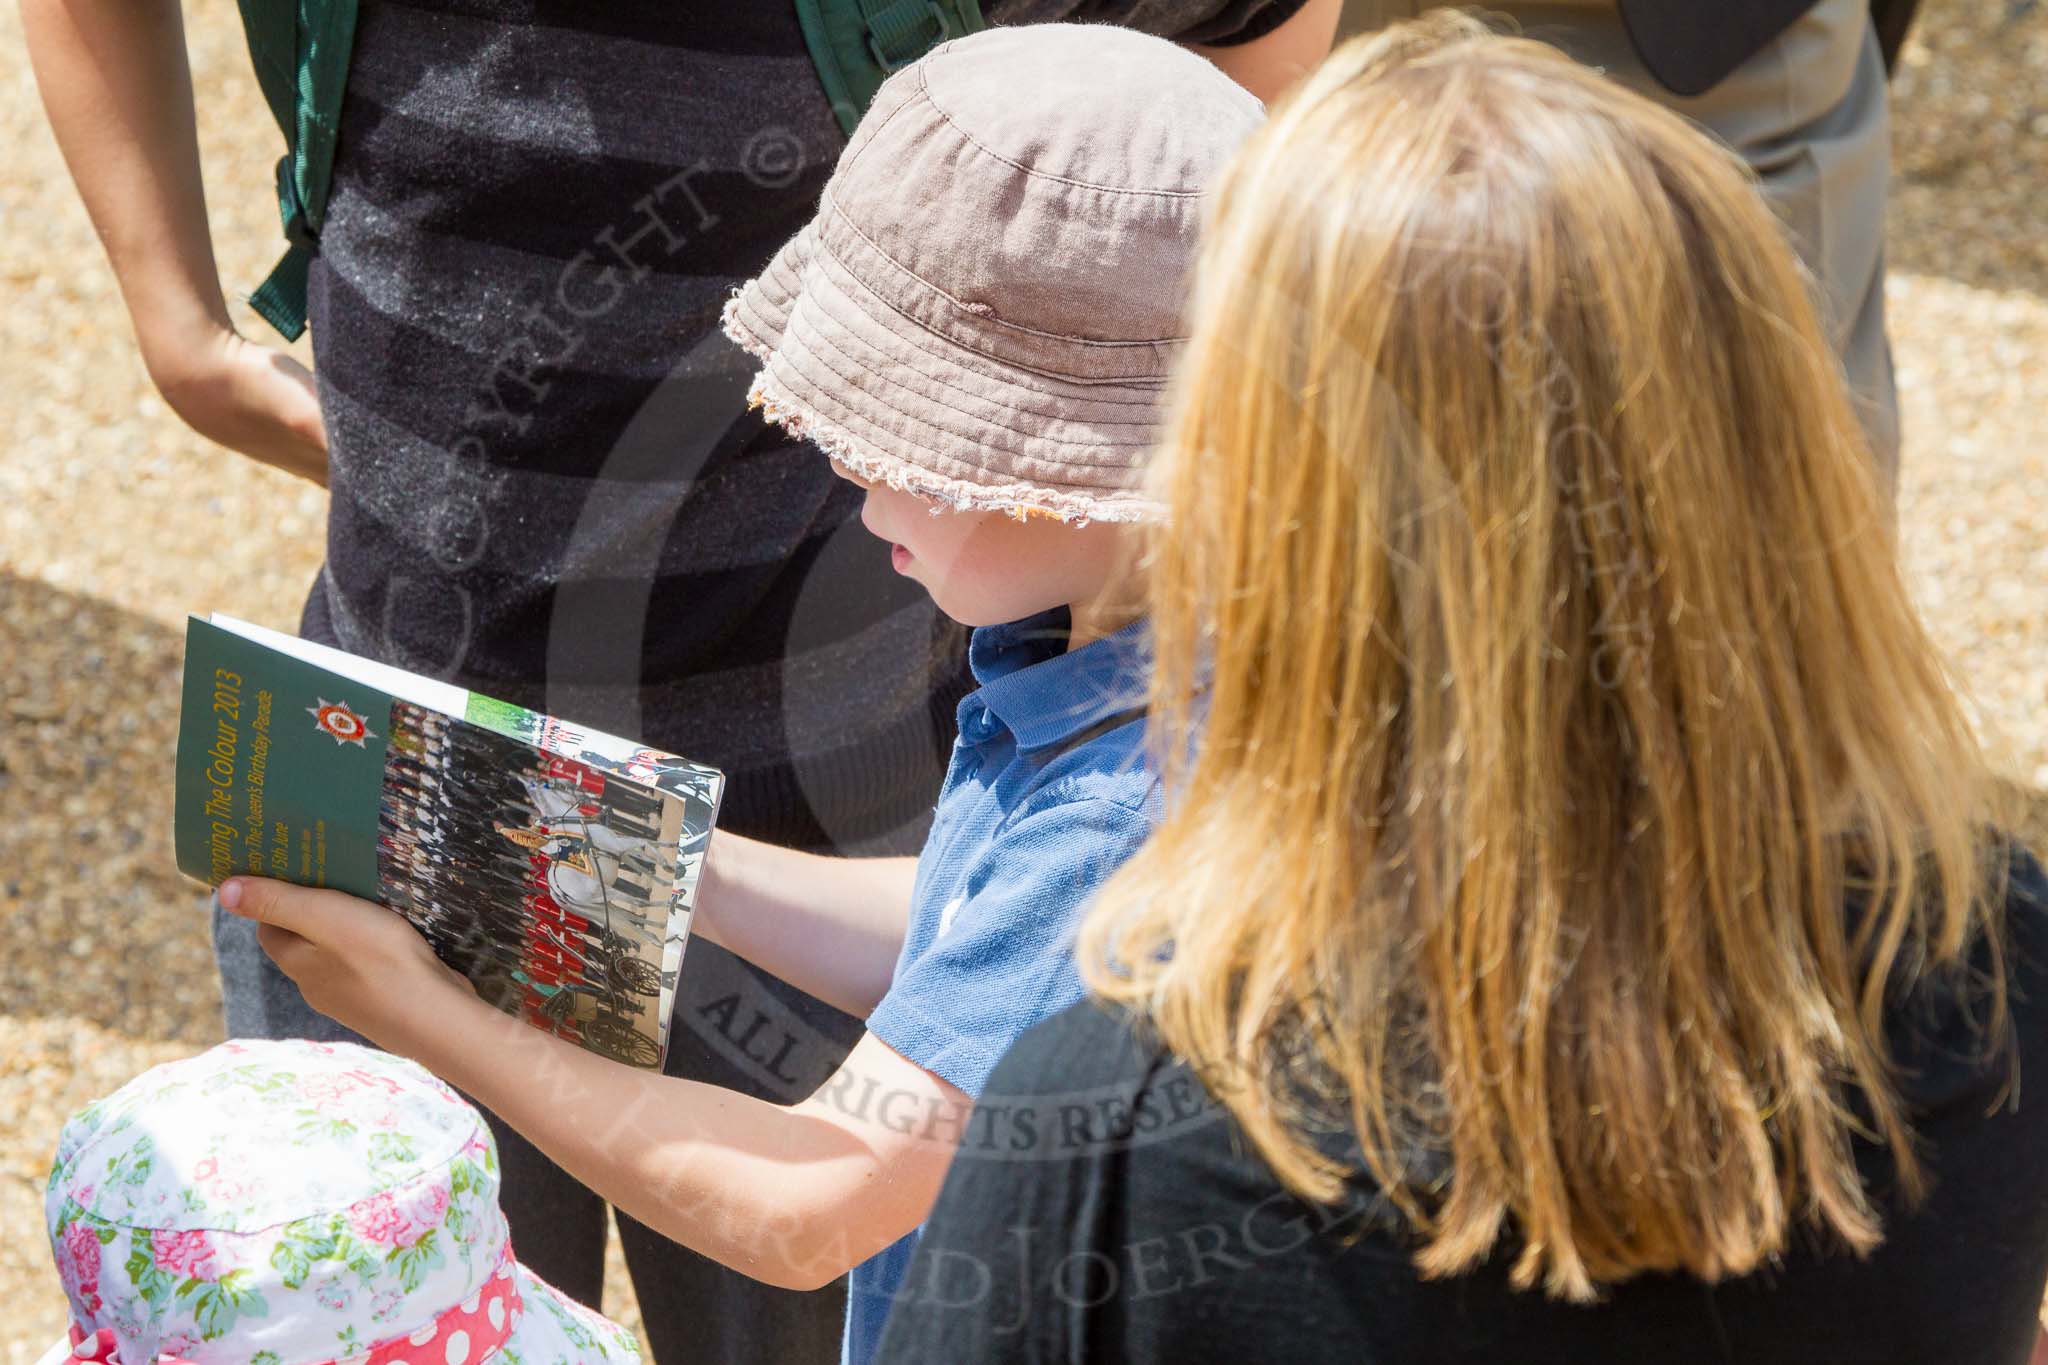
column 554, row 866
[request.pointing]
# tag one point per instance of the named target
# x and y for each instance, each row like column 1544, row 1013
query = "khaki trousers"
column 1810, row 116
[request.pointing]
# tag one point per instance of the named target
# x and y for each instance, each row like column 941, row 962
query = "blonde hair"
column 1536, row 689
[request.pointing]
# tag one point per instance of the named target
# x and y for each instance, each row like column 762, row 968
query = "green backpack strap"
column 856, row 44
column 300, row 49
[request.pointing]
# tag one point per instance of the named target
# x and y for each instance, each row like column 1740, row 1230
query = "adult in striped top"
column 545, row 483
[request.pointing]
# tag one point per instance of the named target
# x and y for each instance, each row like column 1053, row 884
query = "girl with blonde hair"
column 1584, row 925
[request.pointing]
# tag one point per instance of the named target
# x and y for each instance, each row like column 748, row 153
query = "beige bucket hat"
column 987, row 305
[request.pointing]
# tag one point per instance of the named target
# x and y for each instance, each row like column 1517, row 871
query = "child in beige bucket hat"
column 985, row 308
column 977, row 327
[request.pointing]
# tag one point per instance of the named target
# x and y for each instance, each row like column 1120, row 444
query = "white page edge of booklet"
column 435, row 696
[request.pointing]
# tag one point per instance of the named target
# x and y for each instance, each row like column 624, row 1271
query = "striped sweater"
column 546, row 485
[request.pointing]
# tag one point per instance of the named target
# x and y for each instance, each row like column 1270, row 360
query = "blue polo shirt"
column 1047, row 794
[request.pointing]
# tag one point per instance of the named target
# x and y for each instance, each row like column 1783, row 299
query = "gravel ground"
column 115, row 521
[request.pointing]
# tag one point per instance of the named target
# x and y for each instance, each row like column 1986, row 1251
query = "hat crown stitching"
column 993, row 317
column 1027, row 36
column 1036, row 173
column 1057, row 236
column 422, row 1176
column 452, row 1142
column 420, row 1232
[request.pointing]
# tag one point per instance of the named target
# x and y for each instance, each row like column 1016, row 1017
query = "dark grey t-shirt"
column 545, row 482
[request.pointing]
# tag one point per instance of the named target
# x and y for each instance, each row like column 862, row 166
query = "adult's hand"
column 246, row 397
column 115, row 82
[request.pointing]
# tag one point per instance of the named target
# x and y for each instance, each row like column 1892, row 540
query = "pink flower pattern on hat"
column 189, row 1255
column 323, row 1091
column 393, row 1220
column 78, row 1265
column 333, row 1203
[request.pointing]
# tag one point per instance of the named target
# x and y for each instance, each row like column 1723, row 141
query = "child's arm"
column 794, row 1196
column 829, row 926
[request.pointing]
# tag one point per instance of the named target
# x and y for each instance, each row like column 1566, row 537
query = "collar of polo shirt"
column 1043, row 694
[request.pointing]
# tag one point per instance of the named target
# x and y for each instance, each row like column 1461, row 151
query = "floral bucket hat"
column 294, row 1203
column 988, row 304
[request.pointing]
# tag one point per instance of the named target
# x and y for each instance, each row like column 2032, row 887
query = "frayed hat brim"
column 893, row 403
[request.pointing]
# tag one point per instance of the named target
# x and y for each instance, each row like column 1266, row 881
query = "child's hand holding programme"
column 355, row 961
